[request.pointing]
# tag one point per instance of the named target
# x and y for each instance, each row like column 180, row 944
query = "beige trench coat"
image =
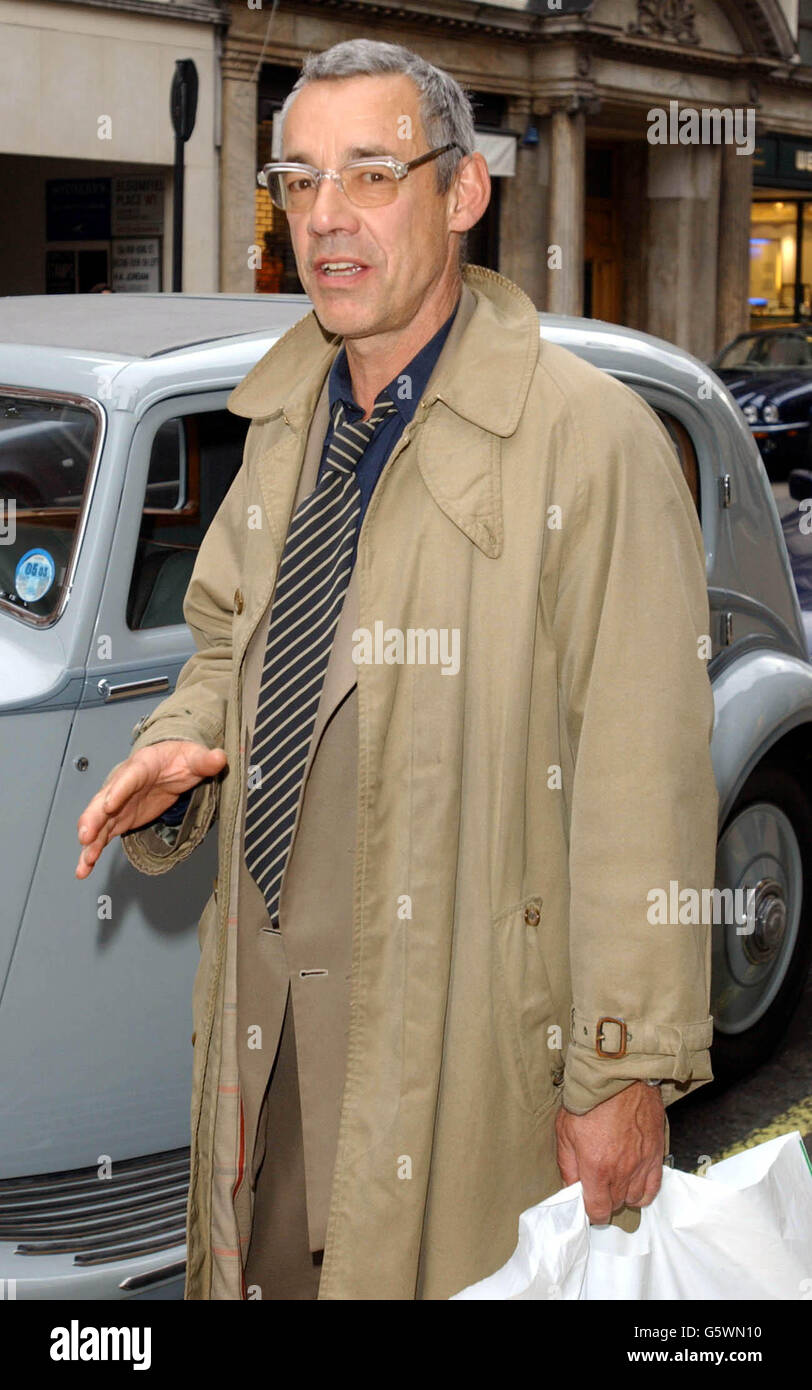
column 512, row 819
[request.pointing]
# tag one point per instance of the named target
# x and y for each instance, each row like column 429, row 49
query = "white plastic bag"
column 743, row 1231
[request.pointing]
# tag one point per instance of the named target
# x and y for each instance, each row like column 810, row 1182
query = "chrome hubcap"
column 769, row 924
column 759, row 855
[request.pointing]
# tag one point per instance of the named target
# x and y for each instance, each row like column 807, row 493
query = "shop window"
column 277, row 273
column 76, row 269
column 773, row 250
column 806, row 262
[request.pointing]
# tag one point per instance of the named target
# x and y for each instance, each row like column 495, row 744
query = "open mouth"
column 340, row 270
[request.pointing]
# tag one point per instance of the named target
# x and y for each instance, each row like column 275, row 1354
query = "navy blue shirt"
column 405, row 391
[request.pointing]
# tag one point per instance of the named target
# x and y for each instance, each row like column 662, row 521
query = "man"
column 449, row 706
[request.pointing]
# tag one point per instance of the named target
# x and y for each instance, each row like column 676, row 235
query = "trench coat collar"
column 482, row 376
column 287, row 380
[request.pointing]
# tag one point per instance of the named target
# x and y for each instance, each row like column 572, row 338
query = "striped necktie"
column 311, row 584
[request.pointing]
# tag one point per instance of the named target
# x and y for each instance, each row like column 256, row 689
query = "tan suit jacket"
column 311, row 951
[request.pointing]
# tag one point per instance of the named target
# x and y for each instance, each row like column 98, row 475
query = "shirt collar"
column 419, row 369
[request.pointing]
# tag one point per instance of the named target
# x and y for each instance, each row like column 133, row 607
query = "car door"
column 98, row 1000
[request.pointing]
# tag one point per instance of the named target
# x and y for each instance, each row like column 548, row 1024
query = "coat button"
column 558, row 1077
column 532, row 916
column 239, row 602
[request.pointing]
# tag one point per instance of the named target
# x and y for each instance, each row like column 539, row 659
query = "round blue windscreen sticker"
column 34, row 574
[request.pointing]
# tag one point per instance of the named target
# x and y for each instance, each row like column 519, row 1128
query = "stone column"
column 565, row 286
column 683, row 182
column 523, row 208
column 733, row 264
column 238, row 173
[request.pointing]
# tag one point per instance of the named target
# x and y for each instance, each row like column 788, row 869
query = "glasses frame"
column 399, row 169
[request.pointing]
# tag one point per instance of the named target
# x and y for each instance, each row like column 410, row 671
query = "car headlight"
column 750, row 414
column 771, row 414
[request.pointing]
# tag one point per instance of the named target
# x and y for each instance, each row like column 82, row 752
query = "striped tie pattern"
column 311, row 584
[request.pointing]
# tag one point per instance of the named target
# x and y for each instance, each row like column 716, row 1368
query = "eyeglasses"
column 368, row 183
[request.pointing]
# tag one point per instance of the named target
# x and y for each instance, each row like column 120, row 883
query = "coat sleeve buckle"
column 599, row 1048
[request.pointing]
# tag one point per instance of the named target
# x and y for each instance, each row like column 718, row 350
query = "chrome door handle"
column 123, row 692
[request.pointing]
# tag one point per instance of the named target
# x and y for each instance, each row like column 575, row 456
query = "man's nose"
column 332, row 210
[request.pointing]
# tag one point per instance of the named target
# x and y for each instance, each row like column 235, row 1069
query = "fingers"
column 133, row 778
column 607, row 1183
column 97, row 824
column 650, row 1189
column 91, row 851
column 108, row 800
column 604, row 1195
column 599, row 1200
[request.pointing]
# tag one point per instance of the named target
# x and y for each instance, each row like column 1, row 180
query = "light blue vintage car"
column 117, row 447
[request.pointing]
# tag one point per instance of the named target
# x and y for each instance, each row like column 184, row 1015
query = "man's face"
column 401, row 249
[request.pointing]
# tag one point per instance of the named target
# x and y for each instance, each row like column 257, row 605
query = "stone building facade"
column 87, row 145
column 610, row 196
column 672, row 237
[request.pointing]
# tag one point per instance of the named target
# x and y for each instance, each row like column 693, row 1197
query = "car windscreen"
column 47, row 446
column 767, row 350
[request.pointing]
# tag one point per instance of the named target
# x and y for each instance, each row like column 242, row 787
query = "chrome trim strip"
column 140, row 1210
column 776, row 428
column 153, row 1276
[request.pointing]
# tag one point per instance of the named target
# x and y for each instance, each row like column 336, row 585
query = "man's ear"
column 469, row 194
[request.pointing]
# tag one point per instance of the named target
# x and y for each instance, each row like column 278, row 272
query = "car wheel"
column 760, row 966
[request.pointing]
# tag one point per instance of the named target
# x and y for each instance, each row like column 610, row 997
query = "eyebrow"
column 356, row 152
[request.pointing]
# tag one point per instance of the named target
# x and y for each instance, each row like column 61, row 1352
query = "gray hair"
column 445, row 108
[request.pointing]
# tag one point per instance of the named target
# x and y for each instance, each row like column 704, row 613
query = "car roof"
column 140, row 325
column 138, row 348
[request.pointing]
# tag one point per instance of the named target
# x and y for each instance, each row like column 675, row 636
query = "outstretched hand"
column 140, row 789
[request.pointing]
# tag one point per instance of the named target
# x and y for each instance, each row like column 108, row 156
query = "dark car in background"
column 769, row 374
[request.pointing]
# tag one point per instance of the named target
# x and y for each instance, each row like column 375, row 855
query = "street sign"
column 183, row 98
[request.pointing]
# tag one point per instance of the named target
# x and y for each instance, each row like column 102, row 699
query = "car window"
column 739, row 352
column 786, row 350
column 193, row 461
column 686, row 453
column 767, row 350
column 47, row 448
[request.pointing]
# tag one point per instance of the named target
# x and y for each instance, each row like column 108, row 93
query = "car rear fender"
column 761, row 699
